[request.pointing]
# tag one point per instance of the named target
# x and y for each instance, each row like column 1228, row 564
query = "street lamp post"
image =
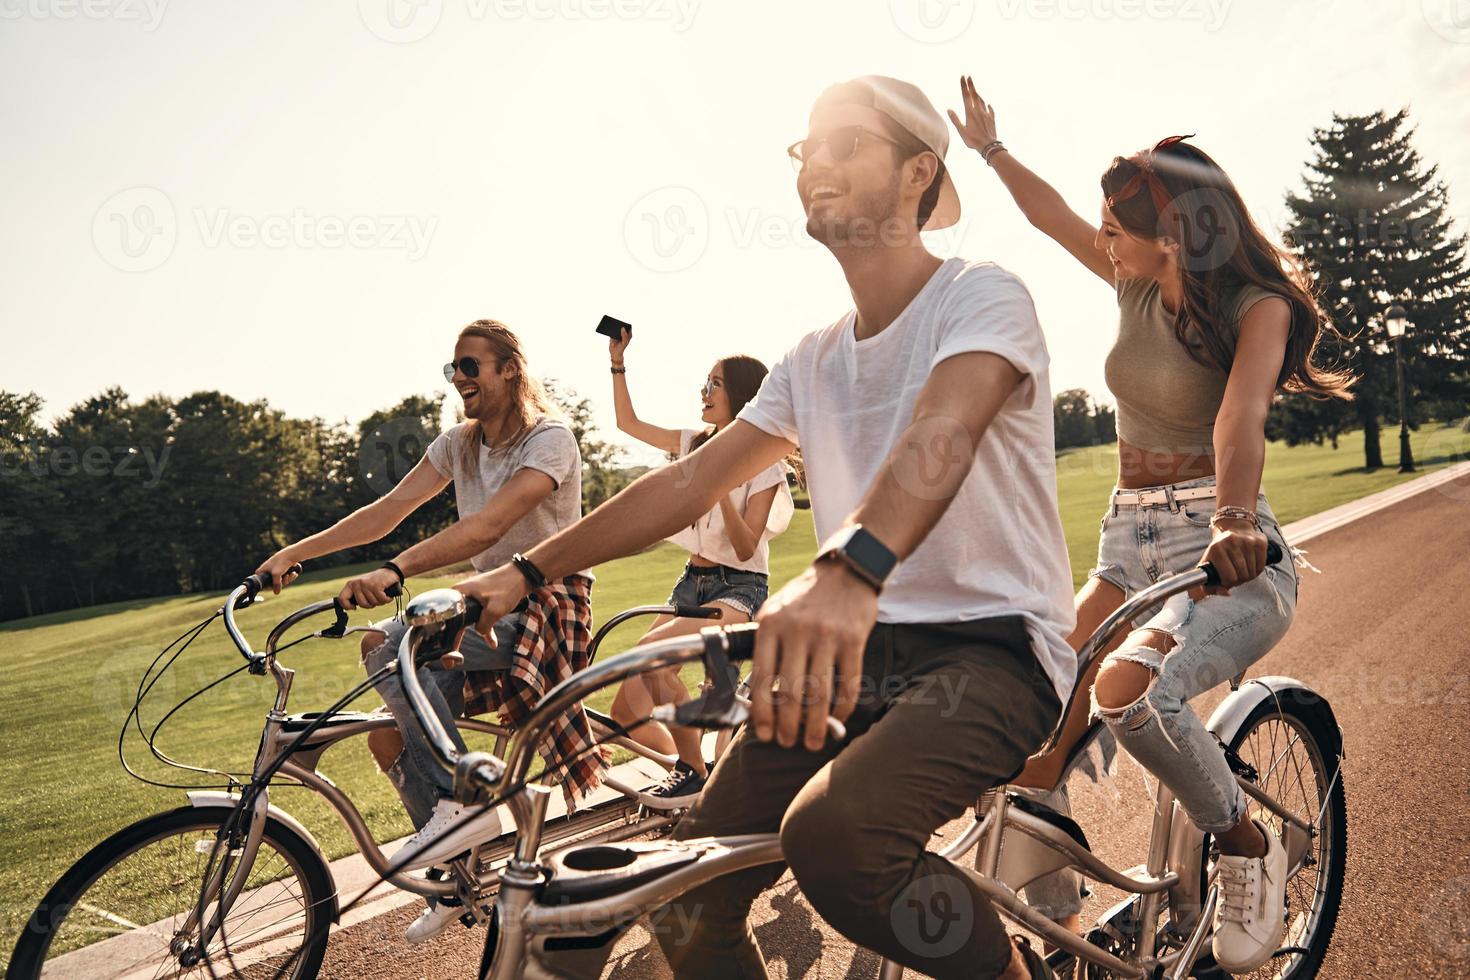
column 1397, row 321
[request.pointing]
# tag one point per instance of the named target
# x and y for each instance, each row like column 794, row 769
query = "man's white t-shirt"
column 998, row 550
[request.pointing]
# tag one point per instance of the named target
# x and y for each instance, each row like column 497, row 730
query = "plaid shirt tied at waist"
column 553, row 638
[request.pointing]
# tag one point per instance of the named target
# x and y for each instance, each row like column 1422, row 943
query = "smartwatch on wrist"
column 863, row 554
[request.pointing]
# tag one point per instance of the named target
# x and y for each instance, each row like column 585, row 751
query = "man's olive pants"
column 946, row 711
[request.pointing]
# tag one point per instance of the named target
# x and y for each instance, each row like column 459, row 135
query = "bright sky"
column 303, row 202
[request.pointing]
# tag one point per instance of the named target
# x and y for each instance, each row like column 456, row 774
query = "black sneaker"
column 681, row 781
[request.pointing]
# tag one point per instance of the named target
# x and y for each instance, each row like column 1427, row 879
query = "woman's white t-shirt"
column 706, row 537
column 999, row 549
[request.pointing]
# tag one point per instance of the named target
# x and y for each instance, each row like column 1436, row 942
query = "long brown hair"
column 529, row 399
column 743, row 376
column 1176, row 190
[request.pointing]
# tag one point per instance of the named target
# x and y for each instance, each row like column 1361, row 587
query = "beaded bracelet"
column 1236, row 514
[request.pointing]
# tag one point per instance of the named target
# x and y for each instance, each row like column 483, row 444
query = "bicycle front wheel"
column 1292, row 745
column 129, row 907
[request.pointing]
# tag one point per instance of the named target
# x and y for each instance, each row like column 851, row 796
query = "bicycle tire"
column 54, row 913
column 1310, row 716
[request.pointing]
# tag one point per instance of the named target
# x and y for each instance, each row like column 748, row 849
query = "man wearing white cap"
column 932, row 621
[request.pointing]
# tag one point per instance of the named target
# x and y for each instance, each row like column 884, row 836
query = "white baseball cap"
column 912, row 112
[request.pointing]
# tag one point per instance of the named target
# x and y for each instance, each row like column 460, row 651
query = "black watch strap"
column 864, row 555
column 528, row 568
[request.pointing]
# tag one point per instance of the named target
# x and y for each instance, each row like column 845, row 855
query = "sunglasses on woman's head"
column 468, row 366
column 842, row 143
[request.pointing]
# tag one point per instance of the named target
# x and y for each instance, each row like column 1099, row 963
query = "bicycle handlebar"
column 437, row 618
column 244, row 594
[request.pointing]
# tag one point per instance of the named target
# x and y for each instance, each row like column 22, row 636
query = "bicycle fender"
column 1227, row 720
column 208, row 798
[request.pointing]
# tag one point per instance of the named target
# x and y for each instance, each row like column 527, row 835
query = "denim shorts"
column 701, row 585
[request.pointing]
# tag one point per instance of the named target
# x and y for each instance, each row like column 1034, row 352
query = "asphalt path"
column 1383, row 633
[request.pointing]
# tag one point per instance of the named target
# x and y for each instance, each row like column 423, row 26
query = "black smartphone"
column 612, row 327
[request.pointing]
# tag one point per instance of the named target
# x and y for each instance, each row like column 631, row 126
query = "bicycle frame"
column 277, row 757
column 538, row 899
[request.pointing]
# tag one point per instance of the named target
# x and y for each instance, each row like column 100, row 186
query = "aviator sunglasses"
column 468, row 366
column 842, row 143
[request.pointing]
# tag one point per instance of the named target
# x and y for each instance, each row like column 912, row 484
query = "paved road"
column 1383, row 632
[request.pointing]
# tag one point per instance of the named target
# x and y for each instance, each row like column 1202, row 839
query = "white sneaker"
column 432, row 922
column 449, row 832
column 1250, row 916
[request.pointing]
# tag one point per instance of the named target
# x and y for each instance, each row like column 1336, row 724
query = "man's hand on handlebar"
column 368, row 591
column 282, row 569
column 810, row 646
column 499, row 591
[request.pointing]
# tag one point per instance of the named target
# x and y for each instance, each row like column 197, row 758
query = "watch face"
column 864, row 553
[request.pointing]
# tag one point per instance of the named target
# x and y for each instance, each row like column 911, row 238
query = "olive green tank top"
column 1167, row 401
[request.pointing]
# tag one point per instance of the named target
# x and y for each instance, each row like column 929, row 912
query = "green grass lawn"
column 70, row 677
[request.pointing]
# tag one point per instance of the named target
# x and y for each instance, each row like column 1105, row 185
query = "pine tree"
column 1373, row 229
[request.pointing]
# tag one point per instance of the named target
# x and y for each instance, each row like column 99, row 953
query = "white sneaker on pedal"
column 432, row 922
column 450, row 831
column 1250, row 915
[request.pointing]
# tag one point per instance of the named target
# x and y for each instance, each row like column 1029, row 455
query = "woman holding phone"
column 728, row 554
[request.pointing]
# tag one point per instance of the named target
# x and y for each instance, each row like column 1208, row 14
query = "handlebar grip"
column 393, row 591
column 254, row 584
column 698, row 612
column 741, row 638
column 1273, row 555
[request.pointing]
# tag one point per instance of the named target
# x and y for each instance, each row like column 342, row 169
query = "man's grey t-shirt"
column 549, row 447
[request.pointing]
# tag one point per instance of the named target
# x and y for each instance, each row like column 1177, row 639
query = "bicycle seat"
column 593, row 871
column 1060, row 821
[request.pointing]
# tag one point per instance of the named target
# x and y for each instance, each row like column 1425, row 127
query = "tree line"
column 123, row 499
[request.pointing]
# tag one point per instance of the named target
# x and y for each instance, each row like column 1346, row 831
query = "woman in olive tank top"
column 1214, row 319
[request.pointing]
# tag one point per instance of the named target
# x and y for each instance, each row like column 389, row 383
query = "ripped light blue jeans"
column 1214, row 639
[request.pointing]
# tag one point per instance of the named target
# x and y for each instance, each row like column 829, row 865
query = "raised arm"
column 656, row 505
column 628, row 421
column 820, row 622
column 1038, row 200
column 363, row 526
